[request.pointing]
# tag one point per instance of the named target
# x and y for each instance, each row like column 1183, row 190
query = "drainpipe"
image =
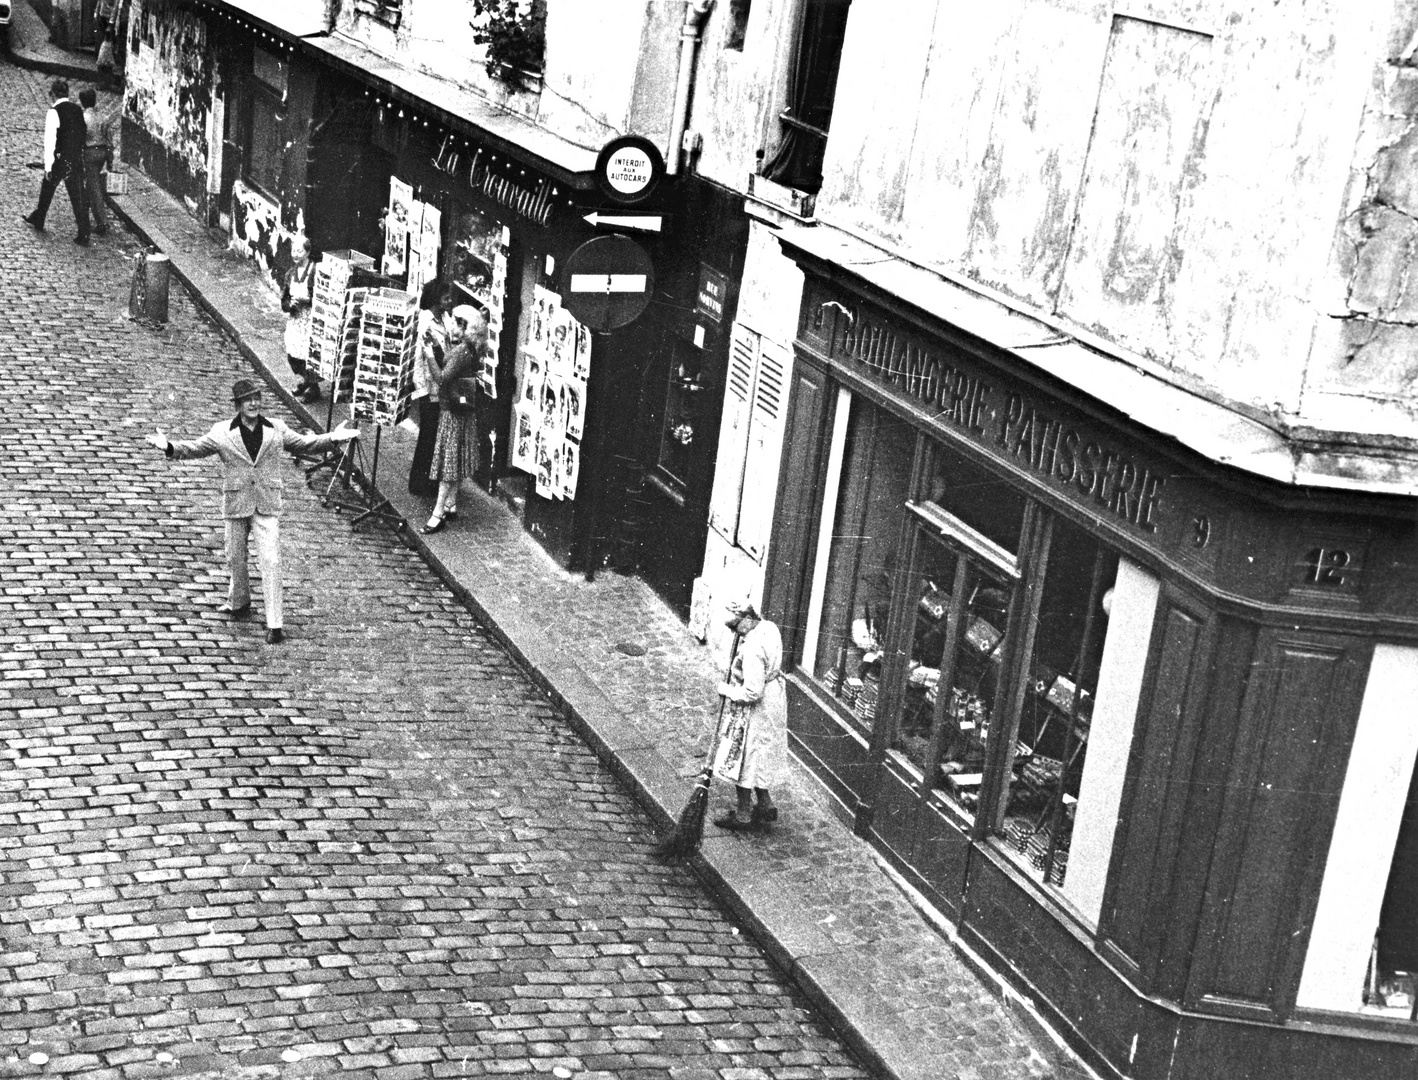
column 695, row 12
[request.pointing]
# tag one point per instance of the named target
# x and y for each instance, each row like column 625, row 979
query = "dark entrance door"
column 347, row 182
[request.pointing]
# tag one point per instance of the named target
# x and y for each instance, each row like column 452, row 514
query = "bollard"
column 147, row 296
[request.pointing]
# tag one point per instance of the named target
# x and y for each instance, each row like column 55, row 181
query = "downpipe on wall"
column 695, row 13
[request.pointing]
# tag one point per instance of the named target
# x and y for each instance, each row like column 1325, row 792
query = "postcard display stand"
column 327, row 318
column 380, row 334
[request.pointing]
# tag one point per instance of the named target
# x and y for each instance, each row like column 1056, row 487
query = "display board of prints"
column 398, row 223
column 385, row 334
column 423, row 246
column 549, row 415
column 327, row 308
column 477, row 266
column 412, row 237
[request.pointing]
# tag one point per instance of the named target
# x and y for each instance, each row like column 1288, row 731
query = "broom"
column 684, row 838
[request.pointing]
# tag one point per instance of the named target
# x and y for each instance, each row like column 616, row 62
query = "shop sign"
column 629, row 169
column 1010, row 422
column 530, row 198
column 713, row 294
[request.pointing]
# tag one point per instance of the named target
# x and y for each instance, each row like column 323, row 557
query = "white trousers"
column 267, row 530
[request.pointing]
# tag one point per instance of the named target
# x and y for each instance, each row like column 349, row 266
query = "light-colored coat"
column 756, row 686
column 249, row 487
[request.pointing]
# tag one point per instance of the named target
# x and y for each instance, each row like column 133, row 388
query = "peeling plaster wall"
column 738, row 94
column 169, row 84
column 1163, row 174
column 256, row 229
column 1363, row 372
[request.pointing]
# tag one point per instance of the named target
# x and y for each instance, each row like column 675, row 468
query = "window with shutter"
column 765, row 445
column 733, row 433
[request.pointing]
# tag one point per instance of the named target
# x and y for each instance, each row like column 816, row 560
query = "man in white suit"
column 249, row 447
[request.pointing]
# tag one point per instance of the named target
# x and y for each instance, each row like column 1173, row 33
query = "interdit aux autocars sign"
column 629, row 169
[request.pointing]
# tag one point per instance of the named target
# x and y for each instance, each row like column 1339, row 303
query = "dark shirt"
column 251, row 436
column 69, row 145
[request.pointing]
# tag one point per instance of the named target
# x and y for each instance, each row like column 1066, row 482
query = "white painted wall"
column 1365, row 834
column 1165, row 174
column 592, row 61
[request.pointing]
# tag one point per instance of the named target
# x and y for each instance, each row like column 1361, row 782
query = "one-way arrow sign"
column 643, row 222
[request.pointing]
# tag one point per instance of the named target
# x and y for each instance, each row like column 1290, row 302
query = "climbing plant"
column 514, row 32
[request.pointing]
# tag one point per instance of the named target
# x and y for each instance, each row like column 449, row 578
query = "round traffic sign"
column 629, row 169
column 608, row 282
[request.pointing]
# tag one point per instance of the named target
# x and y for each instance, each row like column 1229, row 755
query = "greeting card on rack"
column 570, row 468
column 573, row 407
column 544, row 465
column 581, row 364
column 524, row 438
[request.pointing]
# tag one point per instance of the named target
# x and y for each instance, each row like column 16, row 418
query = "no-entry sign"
column 608, row 282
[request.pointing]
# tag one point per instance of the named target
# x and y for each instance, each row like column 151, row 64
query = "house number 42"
column 1327, row 566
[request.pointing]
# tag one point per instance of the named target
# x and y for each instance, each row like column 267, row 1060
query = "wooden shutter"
column 765, row 447
column 733, row 433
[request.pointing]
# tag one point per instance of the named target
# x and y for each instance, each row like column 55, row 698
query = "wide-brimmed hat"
column 244, row 388
column 467, row 313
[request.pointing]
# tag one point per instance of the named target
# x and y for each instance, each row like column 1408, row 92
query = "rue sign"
column 608, row 282
column 629, row 169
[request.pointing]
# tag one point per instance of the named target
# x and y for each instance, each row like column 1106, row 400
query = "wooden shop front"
column 1140, row 723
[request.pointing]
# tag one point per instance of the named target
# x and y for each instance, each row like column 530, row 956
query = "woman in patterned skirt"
column 456, row 451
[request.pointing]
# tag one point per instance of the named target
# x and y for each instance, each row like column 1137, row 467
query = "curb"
column 26, row 60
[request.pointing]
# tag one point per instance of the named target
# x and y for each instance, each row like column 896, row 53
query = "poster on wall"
column 396, row 227
column 550, row 405
column 424, row 246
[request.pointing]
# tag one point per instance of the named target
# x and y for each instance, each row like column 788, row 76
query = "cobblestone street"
column 372, row 851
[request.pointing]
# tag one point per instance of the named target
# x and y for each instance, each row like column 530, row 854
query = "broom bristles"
column 689, row 828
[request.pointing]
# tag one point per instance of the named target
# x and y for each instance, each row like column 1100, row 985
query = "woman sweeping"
column 295, row 302
column 753, row 744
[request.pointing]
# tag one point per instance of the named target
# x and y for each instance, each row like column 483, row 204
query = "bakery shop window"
column 873, row 485
column 1060, row 684
column 963, row 583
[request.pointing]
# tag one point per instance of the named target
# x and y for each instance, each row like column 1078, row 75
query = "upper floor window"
column 797, row 160
column 387, row 12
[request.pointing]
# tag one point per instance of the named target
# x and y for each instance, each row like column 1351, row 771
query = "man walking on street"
column 64, row 136
column 98, row 155
column 249, row 447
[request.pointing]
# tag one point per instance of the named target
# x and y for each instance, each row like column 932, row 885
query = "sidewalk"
column 30, row 47
column 815, row 896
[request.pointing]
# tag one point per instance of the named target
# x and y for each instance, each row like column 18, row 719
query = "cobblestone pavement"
column 373, row 851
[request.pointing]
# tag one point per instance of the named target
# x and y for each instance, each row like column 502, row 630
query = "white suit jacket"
column 249, row 487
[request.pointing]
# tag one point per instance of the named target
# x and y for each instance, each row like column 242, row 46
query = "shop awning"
column 564, row 161
column 456, row 108
column 294, row 18
column 1208, row 427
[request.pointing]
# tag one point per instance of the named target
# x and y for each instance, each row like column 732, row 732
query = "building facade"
column 1094, row 518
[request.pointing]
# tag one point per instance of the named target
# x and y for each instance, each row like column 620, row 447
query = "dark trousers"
column 419, row 483
column 73, row 178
